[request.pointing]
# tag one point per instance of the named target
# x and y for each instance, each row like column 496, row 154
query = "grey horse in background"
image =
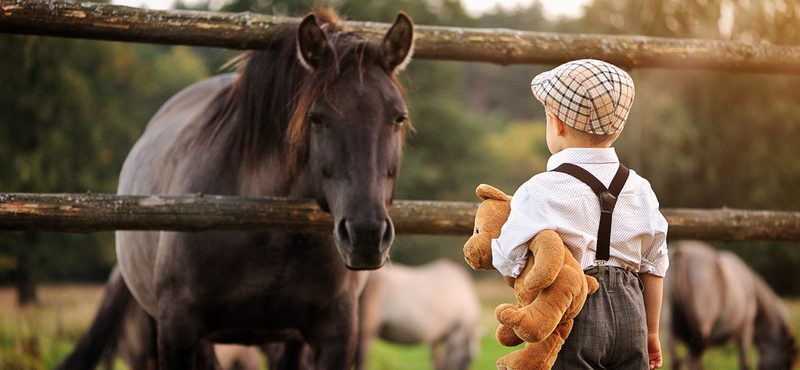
column 712, row 297
column 434, row 304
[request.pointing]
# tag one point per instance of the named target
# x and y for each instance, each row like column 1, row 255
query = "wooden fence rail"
column 502, row 46
column 90, row 213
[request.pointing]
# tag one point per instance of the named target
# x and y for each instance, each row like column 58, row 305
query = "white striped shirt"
column 560, row 202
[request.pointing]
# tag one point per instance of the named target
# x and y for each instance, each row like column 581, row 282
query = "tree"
column 711, row 139
column 71, row 111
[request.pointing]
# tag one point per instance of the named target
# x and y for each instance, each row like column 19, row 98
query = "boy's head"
column 588, row 95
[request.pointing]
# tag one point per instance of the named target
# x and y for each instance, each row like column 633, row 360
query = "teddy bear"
column 550, row 291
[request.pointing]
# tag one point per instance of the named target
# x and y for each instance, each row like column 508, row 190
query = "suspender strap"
column 608, row 199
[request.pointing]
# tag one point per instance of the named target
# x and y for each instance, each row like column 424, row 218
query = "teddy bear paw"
column 507, row 314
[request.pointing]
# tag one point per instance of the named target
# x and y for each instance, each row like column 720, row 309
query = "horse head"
column 347, row 130
column 777, row 350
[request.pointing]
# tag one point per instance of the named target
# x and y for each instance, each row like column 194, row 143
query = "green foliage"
column 71, row 111
column 712, row 139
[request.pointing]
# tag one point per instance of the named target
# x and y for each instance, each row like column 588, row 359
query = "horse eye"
column 315, row 119
column 401, row 120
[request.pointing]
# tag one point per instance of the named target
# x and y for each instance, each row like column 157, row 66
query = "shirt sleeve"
column 655, row 257
column 527, row 218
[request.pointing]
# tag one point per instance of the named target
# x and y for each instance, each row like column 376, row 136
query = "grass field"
column 34, row 338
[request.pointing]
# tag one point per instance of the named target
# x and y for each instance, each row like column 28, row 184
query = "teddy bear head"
column 491, row 216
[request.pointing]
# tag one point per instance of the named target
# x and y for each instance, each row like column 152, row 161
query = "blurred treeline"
column 71, row 110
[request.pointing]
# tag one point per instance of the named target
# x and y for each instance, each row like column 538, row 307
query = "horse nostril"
column 342, row 232
column 327, row 172
column 388, row 232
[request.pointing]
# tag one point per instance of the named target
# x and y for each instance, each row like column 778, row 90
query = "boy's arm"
column 525, row 220
column 653, row 295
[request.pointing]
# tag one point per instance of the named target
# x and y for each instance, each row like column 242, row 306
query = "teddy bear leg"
column 506, row 336
column 535, row 356
column 527, row 322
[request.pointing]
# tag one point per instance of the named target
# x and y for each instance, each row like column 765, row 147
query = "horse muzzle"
column 364, row 244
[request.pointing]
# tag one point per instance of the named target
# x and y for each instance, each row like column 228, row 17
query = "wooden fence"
column 502, row 46
column 89, row 213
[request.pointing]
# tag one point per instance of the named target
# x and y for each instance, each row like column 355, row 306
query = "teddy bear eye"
column 477, row 231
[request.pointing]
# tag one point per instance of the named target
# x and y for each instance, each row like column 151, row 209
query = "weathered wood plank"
column 501, row 46
column 90, row 213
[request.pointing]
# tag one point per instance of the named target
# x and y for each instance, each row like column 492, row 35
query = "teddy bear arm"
column 548, row 257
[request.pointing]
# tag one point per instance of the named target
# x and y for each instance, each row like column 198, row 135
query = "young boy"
column 587, row 102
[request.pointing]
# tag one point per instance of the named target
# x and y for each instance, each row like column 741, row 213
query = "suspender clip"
column 601, row 267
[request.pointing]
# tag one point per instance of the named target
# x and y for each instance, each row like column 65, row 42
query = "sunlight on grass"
column 38, row 337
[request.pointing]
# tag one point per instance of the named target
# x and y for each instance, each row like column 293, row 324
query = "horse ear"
column 312, row 43
column 398, row 43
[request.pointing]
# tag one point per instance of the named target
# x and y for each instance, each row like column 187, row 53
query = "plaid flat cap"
column 588, row 95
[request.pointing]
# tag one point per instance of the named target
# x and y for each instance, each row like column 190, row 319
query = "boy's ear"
column 558, row 124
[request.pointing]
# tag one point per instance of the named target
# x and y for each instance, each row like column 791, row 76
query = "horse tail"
column 102, row 335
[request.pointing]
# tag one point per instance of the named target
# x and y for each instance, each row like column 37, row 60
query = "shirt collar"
column 582, row 156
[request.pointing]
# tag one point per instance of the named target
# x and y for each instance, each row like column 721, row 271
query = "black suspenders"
column 608, row 199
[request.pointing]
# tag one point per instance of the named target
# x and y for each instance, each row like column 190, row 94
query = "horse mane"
column 263, row 112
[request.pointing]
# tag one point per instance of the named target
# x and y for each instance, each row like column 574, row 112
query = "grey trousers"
column 610, row 332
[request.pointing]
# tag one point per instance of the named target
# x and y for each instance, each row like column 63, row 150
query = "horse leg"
column 439, row 355
column 672, row 348
column 333, row 337
column 362, row 351
column 670, row 341
column 291, row 355
column 695, row 360
column 179, row 341
column 745, row 341
column 206, row 357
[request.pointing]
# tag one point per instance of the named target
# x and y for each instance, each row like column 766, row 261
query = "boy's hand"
column 654, row 351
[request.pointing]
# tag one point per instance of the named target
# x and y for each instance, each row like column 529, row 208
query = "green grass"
column 38, row 337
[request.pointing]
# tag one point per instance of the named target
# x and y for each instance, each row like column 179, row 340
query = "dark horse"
column 712, row 297
column 318, row 114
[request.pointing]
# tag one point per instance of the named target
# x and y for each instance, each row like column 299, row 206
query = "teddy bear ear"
column 490, row 192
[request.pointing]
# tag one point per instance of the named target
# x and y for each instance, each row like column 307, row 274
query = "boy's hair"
column 588, row 95
column 598, row 139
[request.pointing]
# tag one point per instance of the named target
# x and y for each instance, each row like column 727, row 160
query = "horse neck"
column 269, row 176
